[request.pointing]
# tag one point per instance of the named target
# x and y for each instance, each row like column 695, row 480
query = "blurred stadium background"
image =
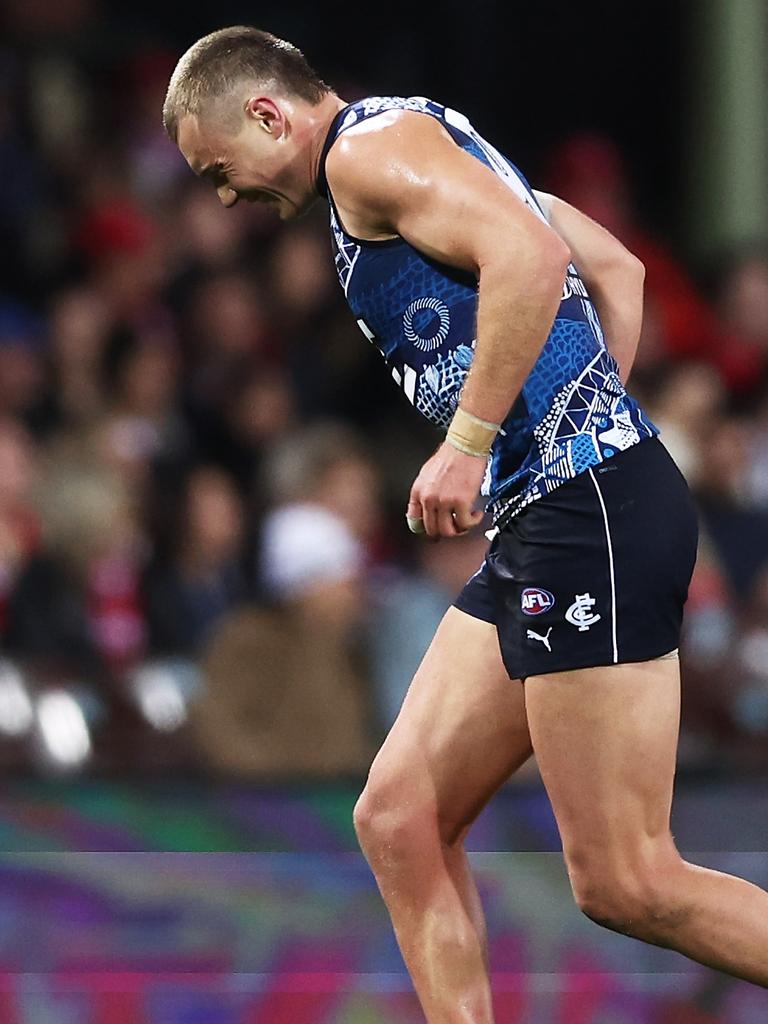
column 189, row 702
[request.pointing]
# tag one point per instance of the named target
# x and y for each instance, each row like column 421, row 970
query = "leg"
column 605, row 742
column 460, row 733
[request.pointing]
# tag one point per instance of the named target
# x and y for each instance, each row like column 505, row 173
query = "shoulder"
column 382, row 146
column 386, row 129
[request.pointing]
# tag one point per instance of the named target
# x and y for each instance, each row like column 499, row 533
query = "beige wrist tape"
column 470, row 434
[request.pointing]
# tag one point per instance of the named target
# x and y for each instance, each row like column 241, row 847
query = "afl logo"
column 534, row 601
column 426, row 323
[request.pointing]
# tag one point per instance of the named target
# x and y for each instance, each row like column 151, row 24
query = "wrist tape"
column 470, row 434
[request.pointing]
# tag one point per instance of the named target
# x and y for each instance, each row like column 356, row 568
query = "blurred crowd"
column 204, row 467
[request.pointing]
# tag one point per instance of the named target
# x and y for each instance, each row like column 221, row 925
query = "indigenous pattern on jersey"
column 573, row 411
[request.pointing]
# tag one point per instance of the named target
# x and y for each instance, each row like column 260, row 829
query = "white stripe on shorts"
column 610, row 568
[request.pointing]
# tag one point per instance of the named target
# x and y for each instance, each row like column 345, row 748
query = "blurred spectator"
column 262, row 408
column 84, row 581
column 122, row 245
column 682, row 405
column 228, row 324
column 189, row 588
column 22, row 192
column 75, row 623
column 742, row 304
column 743, row 298
column 739, row 530
column 709, row 635
column 19, row 521
column 156, row 167
column 327, row 463
column 750, row 706
column 22, row 378
column 227, row 335
column 144, row 425
column 756, row 476
column 80, row 323
column 710, row 621
column 406, row 609
column 285, row 695
column 302, row 276
column 206, row 240
column 306, row 551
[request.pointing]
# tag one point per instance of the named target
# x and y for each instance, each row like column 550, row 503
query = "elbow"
column 563, row 257
column 543, row 262
column 553, row 252
column 554, row 260
column 624, row 272
column 634, row 266
column 561, row 252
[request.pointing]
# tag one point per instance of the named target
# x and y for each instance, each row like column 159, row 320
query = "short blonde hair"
column 215, row 64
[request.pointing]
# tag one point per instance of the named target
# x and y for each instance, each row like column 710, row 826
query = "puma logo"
column 533, row 635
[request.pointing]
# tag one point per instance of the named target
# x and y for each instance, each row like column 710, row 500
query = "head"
column 327, row 463
column 87, row 510
column 312, row 563
column 247, row 111
column 743, row 298
column 18, row 464
column 214, row 517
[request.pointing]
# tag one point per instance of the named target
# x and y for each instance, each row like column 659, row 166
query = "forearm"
column 618, row 299
column 516, row 309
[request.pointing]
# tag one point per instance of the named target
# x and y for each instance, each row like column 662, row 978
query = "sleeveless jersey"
column 573, row 411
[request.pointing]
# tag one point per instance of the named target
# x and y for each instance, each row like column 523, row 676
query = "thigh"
column 605, row 741
column 461, row 731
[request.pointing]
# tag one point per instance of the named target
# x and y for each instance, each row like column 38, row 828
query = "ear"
column 267, row 114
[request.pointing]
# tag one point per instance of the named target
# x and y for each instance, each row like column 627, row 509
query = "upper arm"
column 594, row 249
column 405, row 175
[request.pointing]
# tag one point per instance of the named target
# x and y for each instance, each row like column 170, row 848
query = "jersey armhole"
column 373, row 243
column 370, row 242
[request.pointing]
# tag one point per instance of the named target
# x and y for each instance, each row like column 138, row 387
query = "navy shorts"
column 595, row 573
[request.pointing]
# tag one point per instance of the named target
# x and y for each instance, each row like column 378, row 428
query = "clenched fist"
column 444, row 493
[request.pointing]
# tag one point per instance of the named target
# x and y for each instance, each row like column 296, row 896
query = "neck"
column 320, row 122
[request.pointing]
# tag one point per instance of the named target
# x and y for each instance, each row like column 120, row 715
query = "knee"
column 365, row 818
column 638, row 897
column 612, row 903
column 390, row 829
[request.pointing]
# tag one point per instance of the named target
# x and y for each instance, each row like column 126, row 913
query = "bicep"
column 468, row 217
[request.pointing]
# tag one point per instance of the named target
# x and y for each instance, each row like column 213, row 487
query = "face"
column 256, row 165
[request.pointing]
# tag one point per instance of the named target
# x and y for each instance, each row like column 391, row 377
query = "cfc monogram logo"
column 580, row 613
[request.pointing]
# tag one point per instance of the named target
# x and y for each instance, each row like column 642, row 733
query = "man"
column 450, row 261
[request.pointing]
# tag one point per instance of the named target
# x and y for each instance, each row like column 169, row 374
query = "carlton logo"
column 534, row 601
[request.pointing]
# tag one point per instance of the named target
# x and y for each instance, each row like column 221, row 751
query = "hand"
column 444, row 492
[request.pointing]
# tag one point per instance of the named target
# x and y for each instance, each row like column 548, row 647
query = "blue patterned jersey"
column 573, row 410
